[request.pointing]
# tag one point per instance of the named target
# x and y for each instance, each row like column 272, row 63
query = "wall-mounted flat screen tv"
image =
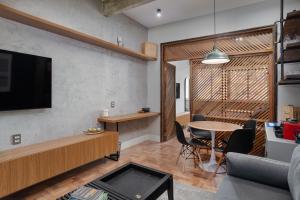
column 25, row 81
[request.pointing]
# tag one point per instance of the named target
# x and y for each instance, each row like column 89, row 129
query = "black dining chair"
column 249, row 124
column 202, row 135
column 190, row 147
column 240, row 141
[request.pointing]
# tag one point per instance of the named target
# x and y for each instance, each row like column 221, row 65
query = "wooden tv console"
column 28, row 165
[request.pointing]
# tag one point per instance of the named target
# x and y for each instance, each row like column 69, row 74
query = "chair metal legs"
column 180, row 153
column 189, row 152
column 199, row 158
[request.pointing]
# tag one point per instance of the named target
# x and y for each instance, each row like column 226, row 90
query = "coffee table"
column 133, row 182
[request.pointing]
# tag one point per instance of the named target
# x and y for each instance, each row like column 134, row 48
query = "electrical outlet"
column 16, row 139
column 112, row 104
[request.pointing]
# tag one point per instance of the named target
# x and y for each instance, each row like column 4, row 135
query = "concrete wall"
column 85, row 78
column 260, row 14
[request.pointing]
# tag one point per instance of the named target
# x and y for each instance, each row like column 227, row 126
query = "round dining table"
column 213, row 126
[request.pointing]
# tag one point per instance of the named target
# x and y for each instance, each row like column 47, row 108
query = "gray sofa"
column 250, row 177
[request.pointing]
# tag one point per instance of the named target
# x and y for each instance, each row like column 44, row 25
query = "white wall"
column 260, row 14
column 85, row 78
column 182, row 72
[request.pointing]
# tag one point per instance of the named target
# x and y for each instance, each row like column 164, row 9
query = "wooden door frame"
column 163, row 46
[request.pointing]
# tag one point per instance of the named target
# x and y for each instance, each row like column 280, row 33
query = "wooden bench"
column 28, row 165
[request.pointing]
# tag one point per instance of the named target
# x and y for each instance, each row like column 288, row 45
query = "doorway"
column 212, row 92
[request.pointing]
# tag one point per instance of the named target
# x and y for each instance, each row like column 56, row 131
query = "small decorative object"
column 105, row 113
column 144, row 110
column 147, row 109
column 120, row 41
column 94, row 131
column 149, row 49
column 158, row 13
column 138, row 196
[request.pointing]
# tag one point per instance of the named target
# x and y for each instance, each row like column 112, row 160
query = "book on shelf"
column 88, row 193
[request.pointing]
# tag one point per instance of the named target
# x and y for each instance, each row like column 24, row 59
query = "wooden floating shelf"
column 129, row 117
column 27, row 19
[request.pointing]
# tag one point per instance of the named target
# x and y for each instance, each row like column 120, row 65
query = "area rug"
column 187, row 192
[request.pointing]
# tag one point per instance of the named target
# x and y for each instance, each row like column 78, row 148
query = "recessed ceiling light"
column 158, row 12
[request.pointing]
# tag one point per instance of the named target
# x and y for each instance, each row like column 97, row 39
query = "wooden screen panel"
column 169, row 114
column 233, row 92
column 207, row 91
column 243, row 43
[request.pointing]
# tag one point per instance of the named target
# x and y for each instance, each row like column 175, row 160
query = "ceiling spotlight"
column 158, row 12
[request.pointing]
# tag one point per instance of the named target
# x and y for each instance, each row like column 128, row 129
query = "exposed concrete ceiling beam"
column 112, row 7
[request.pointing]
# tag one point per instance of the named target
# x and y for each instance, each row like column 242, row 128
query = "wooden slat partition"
column 236, row 91
column 25, row 166
column 241, row 43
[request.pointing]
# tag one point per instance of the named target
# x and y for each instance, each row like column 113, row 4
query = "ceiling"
column 176, row 10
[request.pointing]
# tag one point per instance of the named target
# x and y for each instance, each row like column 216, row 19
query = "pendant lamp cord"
column 215, row 23
column 214, row 16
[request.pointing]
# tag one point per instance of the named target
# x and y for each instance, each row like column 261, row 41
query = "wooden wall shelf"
column 27, row 19
column 125, row 118
column 128, row 117
column 28, row 165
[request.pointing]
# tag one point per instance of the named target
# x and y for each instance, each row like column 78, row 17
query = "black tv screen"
column 25, row 81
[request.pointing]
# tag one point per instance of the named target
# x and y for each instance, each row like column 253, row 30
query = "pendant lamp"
column 215, row 56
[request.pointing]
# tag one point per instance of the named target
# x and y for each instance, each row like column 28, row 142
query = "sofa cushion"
column 233, row 188
column 294, row 174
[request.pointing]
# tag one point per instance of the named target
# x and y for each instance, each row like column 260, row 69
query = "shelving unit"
column 27, row 19
column 289, row 27
column 289, row 82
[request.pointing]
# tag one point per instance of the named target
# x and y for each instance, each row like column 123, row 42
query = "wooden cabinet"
column 25, row 166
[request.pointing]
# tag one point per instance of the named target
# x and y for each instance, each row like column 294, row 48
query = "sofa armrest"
column 258, row 169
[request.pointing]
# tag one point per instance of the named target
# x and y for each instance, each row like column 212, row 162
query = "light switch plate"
column 16, row 139
column 112, row 104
